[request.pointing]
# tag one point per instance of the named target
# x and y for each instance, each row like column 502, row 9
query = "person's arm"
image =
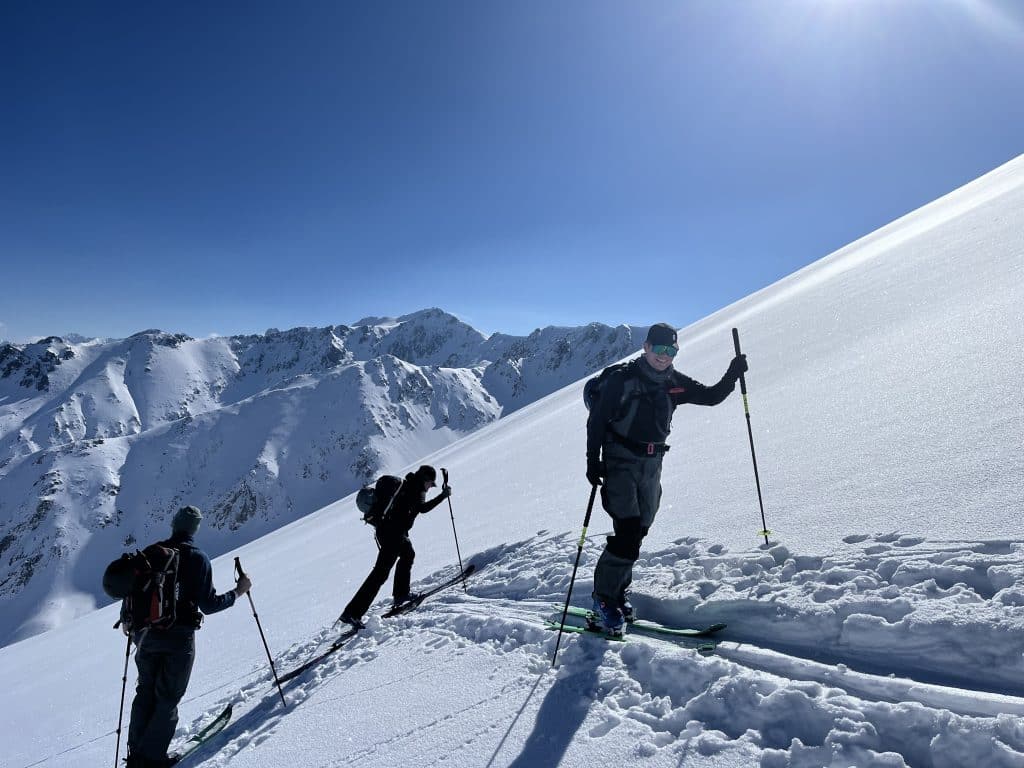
column 208, row 599
column 424, row 506
column 597, row 424
column 687, row 390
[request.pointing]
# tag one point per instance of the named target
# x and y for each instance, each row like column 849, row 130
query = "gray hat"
column 187, row 520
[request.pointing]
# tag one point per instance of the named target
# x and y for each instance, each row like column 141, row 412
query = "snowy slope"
column 883, row 627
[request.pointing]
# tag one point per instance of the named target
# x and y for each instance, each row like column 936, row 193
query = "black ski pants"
column 164, row 658
column 631, row 495
column 392, row 549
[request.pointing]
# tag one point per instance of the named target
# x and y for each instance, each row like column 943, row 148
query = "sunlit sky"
column 217, row 168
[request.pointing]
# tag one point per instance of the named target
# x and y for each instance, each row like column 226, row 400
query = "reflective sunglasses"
column 664, row 349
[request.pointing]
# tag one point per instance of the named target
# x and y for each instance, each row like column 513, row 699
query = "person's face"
column 428, row 484
column 658, row 355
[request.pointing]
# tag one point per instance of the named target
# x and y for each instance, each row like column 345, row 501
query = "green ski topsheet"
column 652, row 626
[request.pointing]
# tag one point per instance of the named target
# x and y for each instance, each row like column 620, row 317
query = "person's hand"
column 243, row 585
column 737, row 367
column 595, row 471
column 446, row 491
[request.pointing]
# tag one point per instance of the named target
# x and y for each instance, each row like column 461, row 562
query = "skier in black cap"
column 395, row 545
column 626, row 434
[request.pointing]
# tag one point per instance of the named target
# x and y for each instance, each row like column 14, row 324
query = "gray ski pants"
column 631, row 495
column 164, row 658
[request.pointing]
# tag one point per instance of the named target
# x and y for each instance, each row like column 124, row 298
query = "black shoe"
column 138, row 761
column 352, row 621
column 412, row 597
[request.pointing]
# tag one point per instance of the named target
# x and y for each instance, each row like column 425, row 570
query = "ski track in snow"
column 885, row 653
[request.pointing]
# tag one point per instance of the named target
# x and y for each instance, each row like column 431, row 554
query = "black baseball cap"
column 661, row 333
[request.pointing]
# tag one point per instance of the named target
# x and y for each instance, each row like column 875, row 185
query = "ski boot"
column 353, row 621
column 404, row 602
column 626, row 607
column 605, row 618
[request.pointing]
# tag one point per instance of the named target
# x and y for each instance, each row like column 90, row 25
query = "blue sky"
column 228, row 167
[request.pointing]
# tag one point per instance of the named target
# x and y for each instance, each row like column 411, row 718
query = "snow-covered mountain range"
column 100, row 441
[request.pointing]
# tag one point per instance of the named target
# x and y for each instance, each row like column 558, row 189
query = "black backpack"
column 592, row 389
column 374, row 500
column 146, row 582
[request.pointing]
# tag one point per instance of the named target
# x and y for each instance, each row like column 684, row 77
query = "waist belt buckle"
column 650, row 449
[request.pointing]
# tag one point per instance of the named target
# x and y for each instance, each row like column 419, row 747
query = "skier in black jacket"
column 626, row 433
column 165, row 656
column 395, row 545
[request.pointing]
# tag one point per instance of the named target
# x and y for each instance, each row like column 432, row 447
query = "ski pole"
column 750, row 433
column 579, row 551
column 452, row 513
column 120, row 712
column 241, row 573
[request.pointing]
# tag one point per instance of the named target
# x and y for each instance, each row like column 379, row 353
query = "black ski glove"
column 737, row 367
column 595, row 471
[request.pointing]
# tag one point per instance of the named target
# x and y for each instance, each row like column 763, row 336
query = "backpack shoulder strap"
column 633, row 391
column 394, row 496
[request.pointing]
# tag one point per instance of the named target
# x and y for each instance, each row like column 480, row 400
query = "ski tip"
column 716, row 628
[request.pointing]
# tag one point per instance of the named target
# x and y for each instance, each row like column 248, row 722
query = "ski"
column 646, row 626
column 585, row 631
column 342, row 639
column 706, row 648
column 653, row 626
column 415, row 602
column 206, row 733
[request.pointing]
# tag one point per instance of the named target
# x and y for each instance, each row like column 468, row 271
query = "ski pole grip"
column 444, row 473
column 238, row 568
column 736, row 344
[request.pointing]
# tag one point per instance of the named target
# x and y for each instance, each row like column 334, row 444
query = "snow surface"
column 884, row 625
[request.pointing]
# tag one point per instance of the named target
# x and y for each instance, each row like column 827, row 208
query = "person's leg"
column 360, row 602
column 148, row 665
column 634, row 530
column 620, row 498
column 177, row 649
column 403, row 573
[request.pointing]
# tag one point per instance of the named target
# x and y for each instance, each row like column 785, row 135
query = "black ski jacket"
column 195, row 583
column 637, row 404
column 410, row 502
